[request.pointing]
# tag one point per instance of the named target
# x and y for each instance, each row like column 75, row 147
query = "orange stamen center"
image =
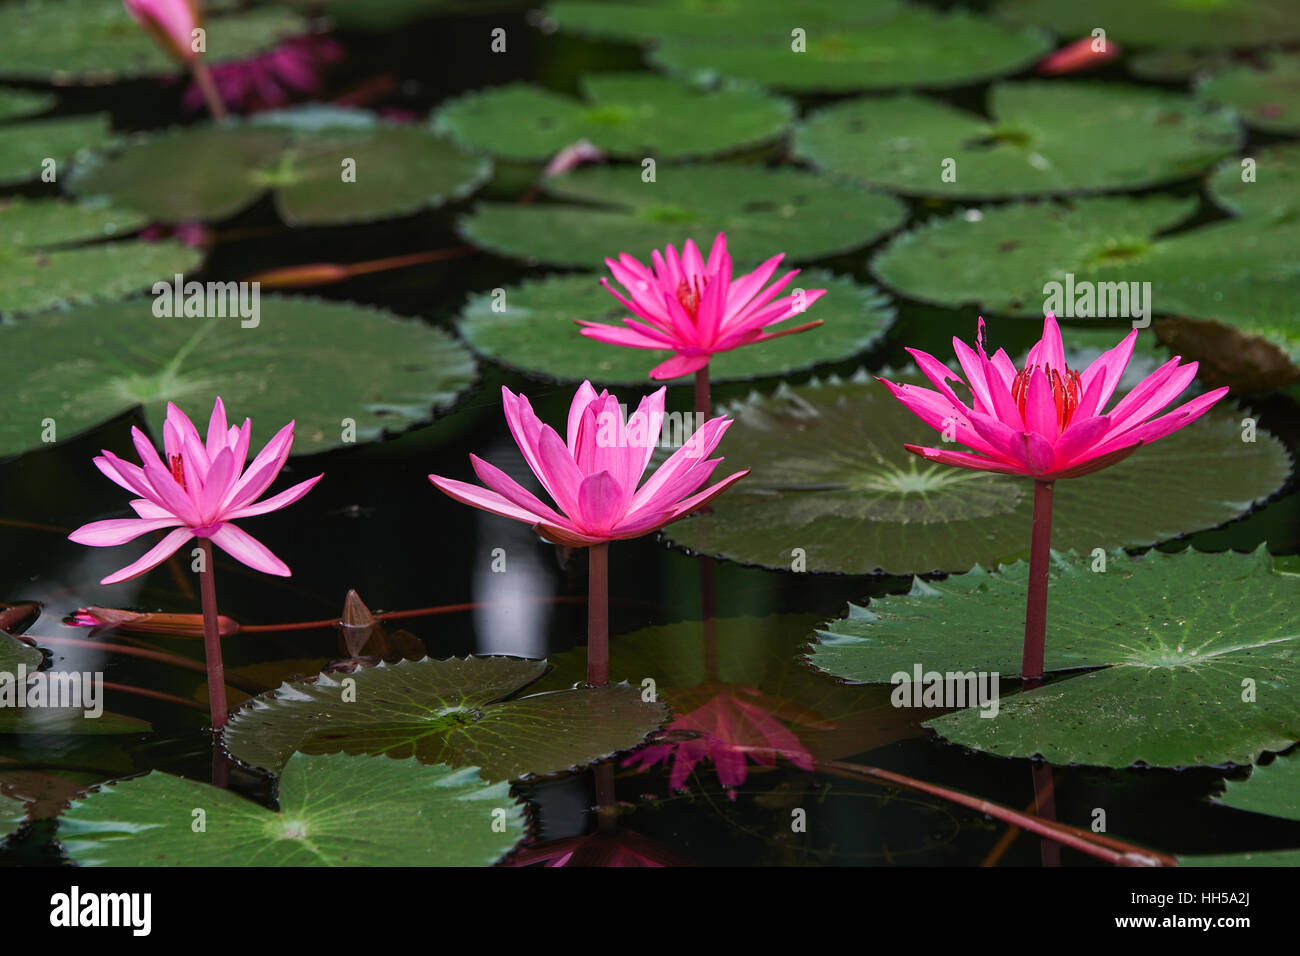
column 1066, row 391
column 178, row 470
column 690, row 294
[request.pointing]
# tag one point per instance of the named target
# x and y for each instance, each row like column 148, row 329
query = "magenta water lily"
column 594, row 478
column 197, row 492
column 1046, row 421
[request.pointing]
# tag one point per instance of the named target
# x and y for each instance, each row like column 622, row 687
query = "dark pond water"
column 375, row 524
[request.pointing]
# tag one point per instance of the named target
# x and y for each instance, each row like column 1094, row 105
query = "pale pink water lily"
column 695, row 307
column 593, row 477
column 1047, row 421
column 170, row 23
column 198, row 491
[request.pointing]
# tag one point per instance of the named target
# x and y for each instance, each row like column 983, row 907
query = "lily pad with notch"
column 627, row 115
column 334, row 810
column 1043, row 138
column 299, row 155
column 458, row 711
column 830, row 476
column 603, row 211
column 1264, row 186
column 55, row 253
column 324, row 361
column 1153, row 657
column 536, row 334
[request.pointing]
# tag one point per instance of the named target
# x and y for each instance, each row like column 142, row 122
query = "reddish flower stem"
column 598, row 614
column 399, row 615
column 212, row 639
column 1040, row 559
column 203, row 80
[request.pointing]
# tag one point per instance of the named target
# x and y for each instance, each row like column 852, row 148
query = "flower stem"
column 203, row 80
column 212, row 639
column 1040, row 559
column 702, row 402
column 598, row 615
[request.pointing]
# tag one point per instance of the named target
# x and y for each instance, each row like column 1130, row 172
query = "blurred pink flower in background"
column 272, row 79
column 1085, row 54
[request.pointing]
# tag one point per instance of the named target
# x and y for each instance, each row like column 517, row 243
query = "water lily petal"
column 246, row 549
column 155, row 556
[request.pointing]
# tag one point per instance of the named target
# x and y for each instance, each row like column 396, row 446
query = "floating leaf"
column 1176, row 638
column 1260, row 858
column 25, row 146
column 1044, row 137
column 1164, row 23
column 68, row 721
column 334, row 811
column 536, row 333
column 913, row 47
column 48, row 258
column 311, row 360
column 628, row 115
column 1271, row 194
column 830, row 476
column 762, row 211
column 14, row 652
column 1268, row 97
column 1165, row 65
column 95, row 41
column 300, row 155
column 647, row 20
column 1273, row 790
column 454, row 711
column 15, row 103
column 13, row 814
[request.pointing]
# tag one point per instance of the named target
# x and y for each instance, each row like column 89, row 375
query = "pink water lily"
column 1047, row 421
column 198, row 491
column 593, row 477
column 170, row 23
column 695, row 308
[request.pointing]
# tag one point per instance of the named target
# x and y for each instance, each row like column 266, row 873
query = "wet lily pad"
column 1045, row 137
column 611, row 209
column 211, row 172
column 1164, row 23
column 1273, row 790
column 68, row 721
column 457, row 711
column 333, row 811
column 1260, row 858
column 324, row 362
column 95, row 41
column 25, row 146
column 49, row 256
column 15, row 103
column 1195, row 655
column 1267, row 97
column 912, row 47
column 627, row 115
column 536, row 333
column 646, row 20
column 14, row 652
column 13, row 814
column 1271, row 190
column 831, row 477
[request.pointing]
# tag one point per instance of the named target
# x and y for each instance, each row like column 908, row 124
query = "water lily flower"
column 198, row 491
column 1046, row 421
column 1084, row 54
column 593, row 478
column 696, row 308
column 145, row 622
column 169, row 23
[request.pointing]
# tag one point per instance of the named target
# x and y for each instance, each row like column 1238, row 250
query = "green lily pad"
column 1165, row 65
column 457, row 711
column 1045, row 137
column 333, row 811
column 211, row 172
column 830, row 476
column 13, row 814
column 1273, row 790
column 25, row 146
column 536, row 332
column 69, row 721
column 15, row 103
column 1260, row 858
column 611, row 209
column 96, row 41
column 14, row 652
column 913, row 47
column 1196, row 657
column 1267, row 98
column 48, row 256
column 311, row 360
column 645, row 20
column 1164, row 23
column 1271, row 193
column 628, row 115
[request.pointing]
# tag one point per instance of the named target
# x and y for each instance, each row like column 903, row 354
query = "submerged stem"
column 598, row 615
column 212, row 640
column 203, row 80
column 1040, row 555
